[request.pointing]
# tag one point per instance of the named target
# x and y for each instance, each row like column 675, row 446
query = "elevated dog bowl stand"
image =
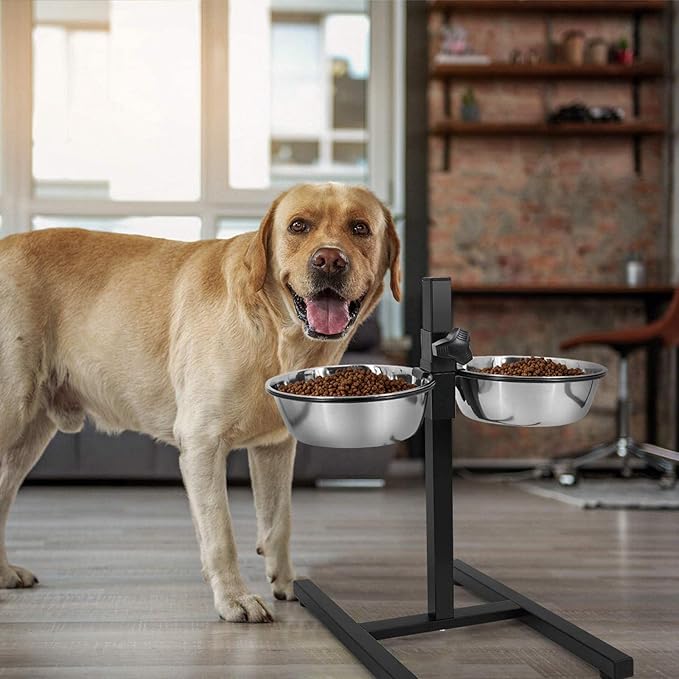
column 442, row 350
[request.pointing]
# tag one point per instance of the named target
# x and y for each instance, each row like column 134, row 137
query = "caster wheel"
column 545, row 472
column 667, row 481
column 567, row 479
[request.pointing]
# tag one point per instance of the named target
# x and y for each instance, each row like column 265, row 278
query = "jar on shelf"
column 598, row 51
column 574, row 47
column 635, row 270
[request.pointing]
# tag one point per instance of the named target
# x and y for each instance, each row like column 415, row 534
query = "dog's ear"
column 257, row 254
column 393, row 245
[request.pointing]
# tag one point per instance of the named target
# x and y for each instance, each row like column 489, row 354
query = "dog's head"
column 326, row 248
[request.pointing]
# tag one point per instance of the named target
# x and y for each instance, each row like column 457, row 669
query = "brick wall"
column 521, row 210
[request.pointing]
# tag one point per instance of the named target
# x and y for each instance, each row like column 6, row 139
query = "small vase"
column 471, row 113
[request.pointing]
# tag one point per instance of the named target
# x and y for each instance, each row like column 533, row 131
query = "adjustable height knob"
column 454, row 345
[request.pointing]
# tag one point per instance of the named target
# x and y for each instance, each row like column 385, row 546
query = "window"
column 175, row 228
column 116, row 99
column 184, row 118
column 228, row 227
column 311, row 69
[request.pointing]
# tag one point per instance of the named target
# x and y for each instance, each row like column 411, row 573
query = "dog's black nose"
column 329, row 260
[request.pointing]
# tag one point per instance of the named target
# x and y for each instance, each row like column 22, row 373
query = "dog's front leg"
column 271, row 471
column 203, row 467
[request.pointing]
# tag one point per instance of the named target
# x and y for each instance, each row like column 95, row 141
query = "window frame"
column 19, row 203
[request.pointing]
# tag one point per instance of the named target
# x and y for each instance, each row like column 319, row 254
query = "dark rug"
column 612, row 493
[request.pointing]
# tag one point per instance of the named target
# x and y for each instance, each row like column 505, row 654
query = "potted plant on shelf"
column 470, row 107
column 622, row 53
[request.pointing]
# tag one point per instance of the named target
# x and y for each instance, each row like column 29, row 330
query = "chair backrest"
column 669, row 323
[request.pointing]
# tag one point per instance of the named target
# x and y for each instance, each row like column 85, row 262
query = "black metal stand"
column 441, row 351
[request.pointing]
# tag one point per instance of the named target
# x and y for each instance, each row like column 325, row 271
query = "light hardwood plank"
column 121, row 594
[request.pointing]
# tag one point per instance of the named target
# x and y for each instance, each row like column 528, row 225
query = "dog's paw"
column 282, row 584
column 14, row 577
column 283, row 591
column 243, row 608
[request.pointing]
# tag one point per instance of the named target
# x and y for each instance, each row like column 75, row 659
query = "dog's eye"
column 360, row 229
column 298, row 226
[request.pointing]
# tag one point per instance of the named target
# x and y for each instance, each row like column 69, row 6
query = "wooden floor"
column 121, row 593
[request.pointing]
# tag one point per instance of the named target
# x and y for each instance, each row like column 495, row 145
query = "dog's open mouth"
column 326, row 315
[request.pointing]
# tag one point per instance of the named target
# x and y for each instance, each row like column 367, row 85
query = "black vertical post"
column 636, row 88
column 653, row 312
column 416, row 186
column 438, row 431
column 416, row 163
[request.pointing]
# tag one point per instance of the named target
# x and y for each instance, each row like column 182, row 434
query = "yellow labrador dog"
column 176, row 340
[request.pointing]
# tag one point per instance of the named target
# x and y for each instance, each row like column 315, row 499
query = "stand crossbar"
column 361, row 638
column 462, row 617
column 441, row 352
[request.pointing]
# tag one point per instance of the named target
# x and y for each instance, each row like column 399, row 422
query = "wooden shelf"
column 561, row 289
column 446, row 128
column 633, row 75
column 554, row 6
column 546, row 71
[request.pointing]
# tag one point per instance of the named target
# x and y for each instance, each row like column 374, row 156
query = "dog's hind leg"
column 271, row 470
column 16, row 460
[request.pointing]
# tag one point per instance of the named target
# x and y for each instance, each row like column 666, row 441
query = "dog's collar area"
column 301, row 310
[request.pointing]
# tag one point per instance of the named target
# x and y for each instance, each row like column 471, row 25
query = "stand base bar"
column 462, row 617
column 356, row 639
column 505, row 603
column 611, row 662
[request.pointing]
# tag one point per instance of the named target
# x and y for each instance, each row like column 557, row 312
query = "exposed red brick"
column 547, row 210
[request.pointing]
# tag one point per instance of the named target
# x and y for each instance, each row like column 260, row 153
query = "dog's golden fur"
column 176, row 340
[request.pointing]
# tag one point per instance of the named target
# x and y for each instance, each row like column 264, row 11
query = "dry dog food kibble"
column 534, row 367
column 347, row 382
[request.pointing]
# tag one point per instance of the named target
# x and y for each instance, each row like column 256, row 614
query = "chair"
column 665, row 331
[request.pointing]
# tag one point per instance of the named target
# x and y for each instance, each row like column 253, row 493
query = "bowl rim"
column 423, row 388
column 599, row 371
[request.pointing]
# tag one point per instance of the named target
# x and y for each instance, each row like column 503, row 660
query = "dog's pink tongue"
column 327, row 315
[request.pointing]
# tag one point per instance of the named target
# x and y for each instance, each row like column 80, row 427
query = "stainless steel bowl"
column 526, row 401
column 353, row 421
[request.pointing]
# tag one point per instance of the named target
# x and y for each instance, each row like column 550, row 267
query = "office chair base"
column 565, row 470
